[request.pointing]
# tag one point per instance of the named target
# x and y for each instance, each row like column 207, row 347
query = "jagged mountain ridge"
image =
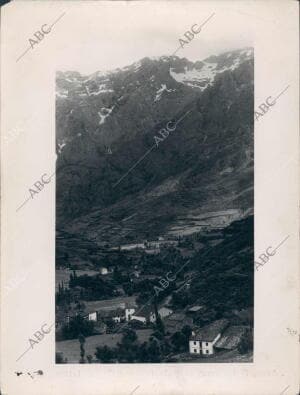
column 142, row 84
column 205, row 165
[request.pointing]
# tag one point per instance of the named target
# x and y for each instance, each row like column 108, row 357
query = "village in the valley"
column 173, row 299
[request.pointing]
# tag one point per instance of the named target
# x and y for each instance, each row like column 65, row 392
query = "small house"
column 153, row 251
column 153, row 244
column 111, row 308
column 103, row 271
column 129, row 310
column 145, row 314
column 115, row 315
column 92, row 316
column 203, row 340
column 164, row 312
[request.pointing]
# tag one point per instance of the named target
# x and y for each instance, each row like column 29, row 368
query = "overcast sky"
column 117, row 34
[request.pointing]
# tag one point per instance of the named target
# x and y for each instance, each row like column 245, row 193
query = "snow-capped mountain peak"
column 205, row 72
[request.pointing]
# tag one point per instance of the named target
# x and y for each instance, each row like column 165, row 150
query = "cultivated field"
column 71, row 348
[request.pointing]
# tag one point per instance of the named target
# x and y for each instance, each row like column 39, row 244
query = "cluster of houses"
column 219, row 335
column 121, row 310
column 125, row 309
column 150, row 247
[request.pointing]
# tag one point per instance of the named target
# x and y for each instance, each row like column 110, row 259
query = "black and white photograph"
column 149, row 197
column 154, row 205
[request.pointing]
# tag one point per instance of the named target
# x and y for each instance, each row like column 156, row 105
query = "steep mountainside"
column 115, row 185
column 224, row 278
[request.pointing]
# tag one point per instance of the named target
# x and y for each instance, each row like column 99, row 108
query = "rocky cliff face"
column 114, row 184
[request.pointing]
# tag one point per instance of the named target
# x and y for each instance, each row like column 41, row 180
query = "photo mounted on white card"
column 150, row 182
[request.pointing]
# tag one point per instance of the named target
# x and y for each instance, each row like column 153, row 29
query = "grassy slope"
column 71, row 348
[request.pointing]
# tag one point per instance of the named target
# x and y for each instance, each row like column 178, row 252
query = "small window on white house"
column 195, row 343
column 195, row 350
column 206, row 351
column 207, row 344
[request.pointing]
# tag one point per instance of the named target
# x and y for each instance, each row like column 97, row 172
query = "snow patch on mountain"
column 63, row 93
column 61, row 146
column 196, row 78
column 161, row 91
column 247, row 52
column 235, row 64
column 134, row 67
column 163, row 58
column 201, row 77
column 72, row 80
column 137, row 66
column 104, row 73
column 106, row 111
column 101, row 89
column 166, row 187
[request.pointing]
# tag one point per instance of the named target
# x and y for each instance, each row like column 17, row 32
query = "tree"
column 181, row 298
column 246, row 343
column 154, row 351
column 187, row 331
column 129, row 336
column 104, row 354
column 89, row 358
column 80, row 306
column 77, row 325
column 63, row 296
column 158, row 335
column 81, row 339
column 95, row 287
column 142, row 354
column 128, row 288
column 160, row 325
column 127, row 350
column 66, row 258
column 110, row 324
column 206, row 318
column 117, row 276
column 135, row 324
column 178, row 341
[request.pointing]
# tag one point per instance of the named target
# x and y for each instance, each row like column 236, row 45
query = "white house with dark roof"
column 92, row 316
column 129, row 311
column 203, row 340
column 115, row 308
column 144, row 314
column 103, row 270
column 116, row 315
